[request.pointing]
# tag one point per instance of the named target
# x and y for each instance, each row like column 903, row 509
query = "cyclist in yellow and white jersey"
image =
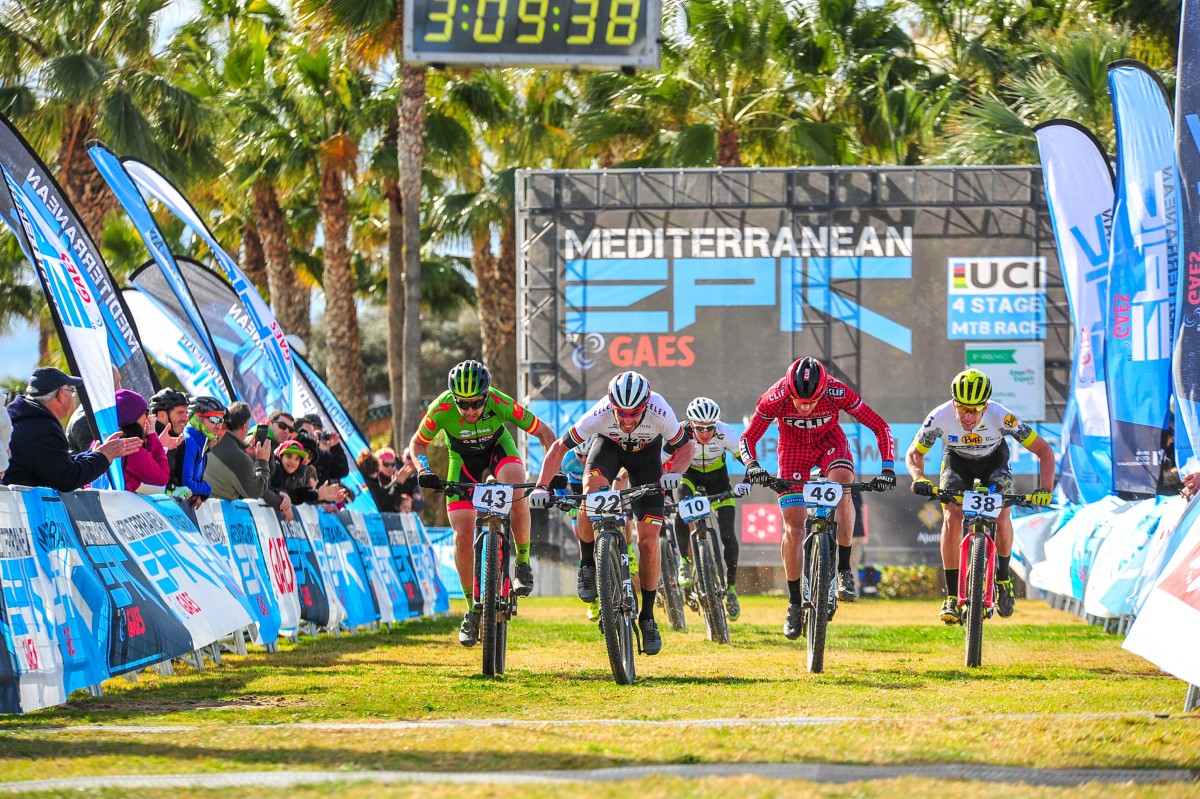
column 707, row 470
column 972, row 430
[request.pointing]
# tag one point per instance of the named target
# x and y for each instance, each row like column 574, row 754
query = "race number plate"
column 693, row 508
column 603, row 503
column 822, row 494
column 492, row 498
column 979, row 503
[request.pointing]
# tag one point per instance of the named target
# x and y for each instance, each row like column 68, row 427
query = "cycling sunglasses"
column 631, row 414
column 704, row 428
column 470, row 405
column 970, row 408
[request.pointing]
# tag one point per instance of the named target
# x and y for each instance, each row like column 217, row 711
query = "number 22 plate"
column 603, row 503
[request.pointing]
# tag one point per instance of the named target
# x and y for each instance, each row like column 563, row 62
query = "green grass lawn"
column 894, row 683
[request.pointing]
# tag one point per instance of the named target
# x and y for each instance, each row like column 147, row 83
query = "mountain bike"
column 976, row 579
column 495, row 553
column 708, row 584
column 820, row 554
column 670, row 594
column 618, row 605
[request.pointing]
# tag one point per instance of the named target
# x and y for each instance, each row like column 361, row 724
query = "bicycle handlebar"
column 781, row 485
column 461, row 487
column 956, row 498
column 569, row 502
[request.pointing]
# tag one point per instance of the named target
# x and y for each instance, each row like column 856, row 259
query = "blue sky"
column 18, row 347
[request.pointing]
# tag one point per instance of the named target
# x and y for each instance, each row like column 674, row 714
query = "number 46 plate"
column 492, row 498
column 822, row 494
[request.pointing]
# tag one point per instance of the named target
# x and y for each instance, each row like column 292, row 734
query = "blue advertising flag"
column 1079, row 194
column 176, row 350
column 1139, row 330
column 1186, row 359
column 76, row 280
column 269, row 337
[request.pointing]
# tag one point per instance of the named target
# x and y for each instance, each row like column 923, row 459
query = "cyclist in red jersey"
column 807, row 402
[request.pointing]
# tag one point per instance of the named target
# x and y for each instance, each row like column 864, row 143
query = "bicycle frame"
column 974, row 526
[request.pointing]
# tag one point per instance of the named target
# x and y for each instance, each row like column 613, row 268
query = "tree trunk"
column 344, row 349
column 396, row 301
column 496, row 298
column 46, row 332
column 729, row 153
column 80, row 179
column 289, row 295
column 254, row 261
column 411, row 153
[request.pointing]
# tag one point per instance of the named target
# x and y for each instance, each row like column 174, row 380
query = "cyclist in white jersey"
column 632, row 425
column 972, row 431
column 707, row 470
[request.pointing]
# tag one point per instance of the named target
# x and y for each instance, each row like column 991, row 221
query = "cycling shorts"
column 606, row 458
column 959, row 473
column 714, row 482
column 476, row 466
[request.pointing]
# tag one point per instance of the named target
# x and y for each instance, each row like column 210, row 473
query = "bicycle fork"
column 977, row 528
column 627, row 603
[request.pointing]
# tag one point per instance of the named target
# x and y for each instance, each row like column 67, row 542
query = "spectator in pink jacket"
column 146, row 470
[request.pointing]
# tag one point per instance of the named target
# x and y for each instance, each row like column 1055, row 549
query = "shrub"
column 910, row 582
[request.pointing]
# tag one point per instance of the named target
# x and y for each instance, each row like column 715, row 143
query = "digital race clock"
column 569, row 34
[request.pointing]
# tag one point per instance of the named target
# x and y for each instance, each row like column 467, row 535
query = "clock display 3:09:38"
column 490, row 20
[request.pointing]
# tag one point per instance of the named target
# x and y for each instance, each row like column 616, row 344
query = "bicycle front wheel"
column 819, row 566
column 712, row 601
column 618, row 624
column 672, row 593
column 976, row 582
column 489, row 596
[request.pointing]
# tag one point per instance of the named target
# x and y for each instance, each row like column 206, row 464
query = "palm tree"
column 90, row 66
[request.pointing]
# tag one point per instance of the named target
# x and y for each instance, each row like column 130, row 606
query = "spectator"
column 283, row 425
column 400, row 473
column 5, row 437
column 146, row 469
column 294, row 479
column 39, row 446
column 237, row 469
column 170, row 411
column 204, row 429
column 331, row 460
column 386, row 493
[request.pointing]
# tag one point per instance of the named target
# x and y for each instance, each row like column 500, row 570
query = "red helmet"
column 806, row 379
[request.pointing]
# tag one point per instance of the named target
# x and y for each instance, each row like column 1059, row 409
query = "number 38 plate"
column 603, row 503
column 492, row 498
column 979, row 503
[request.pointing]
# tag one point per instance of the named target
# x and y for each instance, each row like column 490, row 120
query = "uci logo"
column 971, row 439
column 997, row 275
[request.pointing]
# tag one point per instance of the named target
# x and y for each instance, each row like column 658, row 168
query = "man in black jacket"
column 40, row 456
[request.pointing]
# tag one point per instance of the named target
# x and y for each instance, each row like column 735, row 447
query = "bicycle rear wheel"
column 712, row 601
column 672, row 593
column 819, row 566
column 618, row 625
column 976, row 581
column 489, row 596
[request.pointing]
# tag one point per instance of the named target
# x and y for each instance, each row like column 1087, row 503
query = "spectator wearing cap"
column 293, row 477
column 40, row 456
column 238, row 469
column 385, row 493
column 146, row 469
column 204, row 429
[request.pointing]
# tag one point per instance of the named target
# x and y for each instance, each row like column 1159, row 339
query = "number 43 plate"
column 492, row 498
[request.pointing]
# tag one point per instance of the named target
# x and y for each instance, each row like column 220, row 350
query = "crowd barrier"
column 97, row 584
column 1133, row 567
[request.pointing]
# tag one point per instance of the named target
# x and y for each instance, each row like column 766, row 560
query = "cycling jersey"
column 473, row 438
column 796, row 430
column 711, row 456
column 658, row 422
column 995, row 423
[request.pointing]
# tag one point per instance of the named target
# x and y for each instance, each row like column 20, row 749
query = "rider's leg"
column 726, row 517
column 513, row 471
column 790, row 547
column 952, row 520
column 462, row 520
column 844, row 515
column 648, row 562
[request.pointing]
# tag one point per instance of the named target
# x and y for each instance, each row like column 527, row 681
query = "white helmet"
column 702, row 410
column 629, row 391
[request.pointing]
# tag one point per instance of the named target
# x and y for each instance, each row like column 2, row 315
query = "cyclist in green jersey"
column 471, row 414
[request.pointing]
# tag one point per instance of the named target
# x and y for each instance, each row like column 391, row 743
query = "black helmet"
column 200, row 405
column 469, row 379
column 167, row 399
column 806, row 379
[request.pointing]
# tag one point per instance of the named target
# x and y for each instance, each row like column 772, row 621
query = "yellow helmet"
column 971, row 387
